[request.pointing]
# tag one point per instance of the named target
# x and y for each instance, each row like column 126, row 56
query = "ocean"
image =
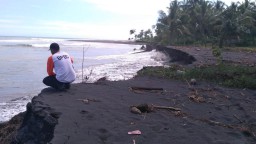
column 23, row 66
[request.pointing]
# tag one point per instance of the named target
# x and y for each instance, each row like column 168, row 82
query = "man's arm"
column 50, row 66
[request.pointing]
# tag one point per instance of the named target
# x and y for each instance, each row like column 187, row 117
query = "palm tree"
column 132, row 32
column 161, row 28
column 237, row 23
column 205, row 21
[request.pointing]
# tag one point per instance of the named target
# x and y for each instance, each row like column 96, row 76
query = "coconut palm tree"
column 204, row 21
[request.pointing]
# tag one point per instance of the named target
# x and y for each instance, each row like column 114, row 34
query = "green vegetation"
column 193, row 22
column 145, row 36
column 210, row 24
column 227, row 75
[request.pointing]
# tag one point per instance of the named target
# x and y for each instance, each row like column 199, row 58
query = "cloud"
column 124, row 15
column 8, row 24
column 135, row 14
column 87, row 30
column 9, row 21
column 131, row 7
column 116, row 30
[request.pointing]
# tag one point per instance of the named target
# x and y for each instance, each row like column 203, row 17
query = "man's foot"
column 61, row 86
column 67, row 85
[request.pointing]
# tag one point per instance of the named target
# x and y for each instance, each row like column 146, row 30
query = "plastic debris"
column 193, row 81
column 135, row 110
column 135, row 132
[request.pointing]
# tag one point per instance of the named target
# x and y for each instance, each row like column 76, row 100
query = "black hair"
column 55, row 47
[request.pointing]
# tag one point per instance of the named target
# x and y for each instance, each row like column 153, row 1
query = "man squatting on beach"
column 62, row 64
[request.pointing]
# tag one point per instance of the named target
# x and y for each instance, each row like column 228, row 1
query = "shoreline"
column 112, row 41
column 100, row 113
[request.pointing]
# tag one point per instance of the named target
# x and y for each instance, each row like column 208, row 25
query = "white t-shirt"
column 63, row 67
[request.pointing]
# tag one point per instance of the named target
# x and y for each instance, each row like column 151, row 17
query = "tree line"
column 203, row 22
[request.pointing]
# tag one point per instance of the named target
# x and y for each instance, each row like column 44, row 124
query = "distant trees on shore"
column 146, row 36
column 204, row 22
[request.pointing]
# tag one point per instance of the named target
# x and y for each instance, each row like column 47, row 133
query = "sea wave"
column 11, row 108
column 27, row 45
column 13, row 40
column 48, row 39
column 125, row 67
column 25, row 40
column 29, row 42
column 40, row 45
column 75, row 44
column 19, row 45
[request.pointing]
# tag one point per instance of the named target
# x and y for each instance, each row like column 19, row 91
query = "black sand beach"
column 209, row 114
column 100, row 113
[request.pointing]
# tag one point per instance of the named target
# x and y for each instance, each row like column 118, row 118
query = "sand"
column 204, row 56
column 100, row 113
column 209, row 114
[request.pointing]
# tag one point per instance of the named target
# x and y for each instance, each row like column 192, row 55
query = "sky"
column 92, row 19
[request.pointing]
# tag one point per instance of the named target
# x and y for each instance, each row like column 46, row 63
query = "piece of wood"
column 146, row 88
column 238, row 119
column 138, row 91
column 165, row 107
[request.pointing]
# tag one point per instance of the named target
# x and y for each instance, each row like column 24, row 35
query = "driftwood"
column 86, row 100
column 168, row 108
column 146, row 88
column 147, row 108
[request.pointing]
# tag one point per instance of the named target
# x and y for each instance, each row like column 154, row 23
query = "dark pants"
column 53, row 82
